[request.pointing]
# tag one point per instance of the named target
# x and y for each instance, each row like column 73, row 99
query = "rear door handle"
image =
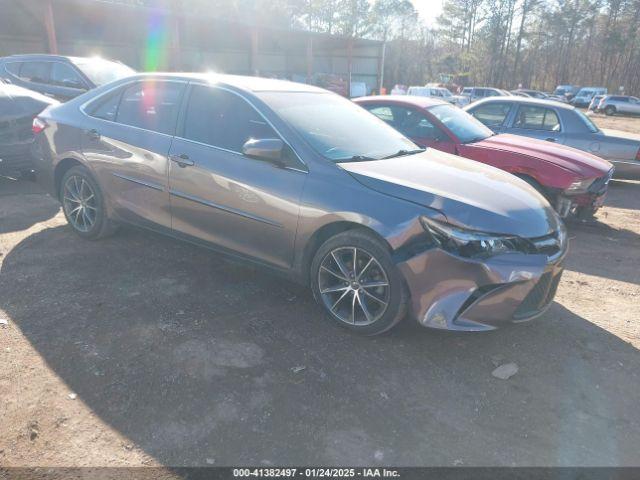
column 93, row 134
column 182, row 160
column 550, row 139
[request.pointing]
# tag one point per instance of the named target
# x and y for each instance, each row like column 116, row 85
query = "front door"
column 127, row 140
column 223, row 197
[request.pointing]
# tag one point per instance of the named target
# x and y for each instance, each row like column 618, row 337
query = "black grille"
column 539, row 297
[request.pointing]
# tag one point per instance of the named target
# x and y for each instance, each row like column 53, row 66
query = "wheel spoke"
column 339, row 300
column 381, row 302
column 91, row 208
column 365, row 268
column 341, row 265
column 374, row 284
column 334, row 289
column 353, row 308
column 355, row 262
column 365, row 309
column 337, row 275
column 69, row 199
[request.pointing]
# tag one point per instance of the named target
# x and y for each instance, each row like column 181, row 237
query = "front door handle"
column 550, row 139
column 182, row 160
column 93, row 134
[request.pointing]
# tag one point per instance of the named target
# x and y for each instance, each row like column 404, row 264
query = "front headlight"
column 472, row 243
column 580, row 186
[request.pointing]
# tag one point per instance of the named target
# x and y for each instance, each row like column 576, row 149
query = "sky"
column 428, row 10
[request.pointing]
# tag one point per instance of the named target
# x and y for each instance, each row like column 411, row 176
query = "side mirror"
column 268, row 149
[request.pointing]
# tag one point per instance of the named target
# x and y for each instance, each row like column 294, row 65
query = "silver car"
column 560, row 123
column 301, row 180
column 613, row 104
column 472, row 94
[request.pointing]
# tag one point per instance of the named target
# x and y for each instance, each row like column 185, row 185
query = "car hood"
column 577, row 161
column 468, row 193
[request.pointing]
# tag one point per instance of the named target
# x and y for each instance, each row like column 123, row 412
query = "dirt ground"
column 139, row 350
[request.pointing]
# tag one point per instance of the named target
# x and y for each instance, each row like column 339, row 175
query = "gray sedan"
column 560, row 123
column 308, row 183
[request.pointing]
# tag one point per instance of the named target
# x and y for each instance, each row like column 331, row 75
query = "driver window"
column 223, row 119
column 492, row 114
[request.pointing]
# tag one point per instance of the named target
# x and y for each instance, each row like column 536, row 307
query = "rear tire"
column 610, row 110
column 368, row 296
column 83, row 204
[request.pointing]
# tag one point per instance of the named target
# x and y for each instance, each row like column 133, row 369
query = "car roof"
column 253, row 84
column 41, row 56
column 529, row 100
column 413, row 100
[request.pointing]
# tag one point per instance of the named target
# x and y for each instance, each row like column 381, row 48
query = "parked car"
column 518, row 93
column 563, row 124
column 530, row 93
column 302, row 180
column 566, row 91
column 573, row 181
column 18, row 108
column 471, row 94
column 595, row 102
column 433, row 92
column 60, row 77
column 613, row 104
column 585, row 95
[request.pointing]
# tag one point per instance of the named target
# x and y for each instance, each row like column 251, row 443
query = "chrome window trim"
column 125, row 85
column 252, row 105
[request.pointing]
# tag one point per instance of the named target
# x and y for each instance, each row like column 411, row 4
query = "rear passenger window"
column 151, row 105
column 537, row 118
column 36, row 72
column 106, row 108
column 492, row 114
column 63, row 75
column 222, row 119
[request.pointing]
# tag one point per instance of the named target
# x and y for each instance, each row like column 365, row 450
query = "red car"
column 575, row 182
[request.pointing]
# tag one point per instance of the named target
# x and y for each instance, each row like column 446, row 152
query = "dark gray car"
column 561, row 123
column 60, row 77
column 18, row 108
column 301, row 180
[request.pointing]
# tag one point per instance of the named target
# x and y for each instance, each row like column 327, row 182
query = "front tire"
column 83, row 204
column 610, row 110
column 354, row 279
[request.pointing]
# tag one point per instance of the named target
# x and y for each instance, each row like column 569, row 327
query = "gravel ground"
column 139, row 350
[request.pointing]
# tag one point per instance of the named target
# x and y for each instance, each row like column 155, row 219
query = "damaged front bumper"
column 454, row 293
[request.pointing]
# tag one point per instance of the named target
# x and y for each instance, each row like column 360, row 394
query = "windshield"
column 463, row 125
column 585, row 93
column 101, row 71
column 444, row 92
column 587, row 121
column 336, row 128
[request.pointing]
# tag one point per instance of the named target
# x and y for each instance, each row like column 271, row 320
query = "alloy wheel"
column 79, row 201
column 353, row 285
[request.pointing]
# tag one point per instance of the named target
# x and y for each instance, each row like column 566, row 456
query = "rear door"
column 64, row 81
column 126, row 139
column 537, row 122
column 219, row 195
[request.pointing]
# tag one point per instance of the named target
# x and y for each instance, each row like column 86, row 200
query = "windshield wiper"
column 356, row 158
column 402, row 153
